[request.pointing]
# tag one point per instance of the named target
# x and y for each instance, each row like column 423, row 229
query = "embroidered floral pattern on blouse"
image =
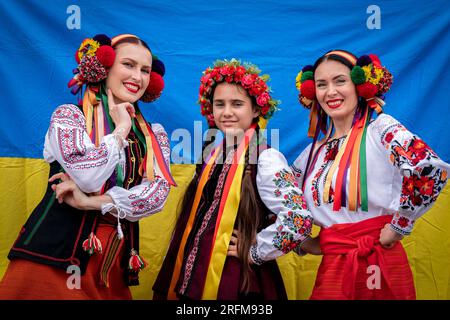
column 332, row 149
column 421, row 187
column 402, row 224
column 255, row 256
column 402, row 221
column 69, row 115
column 164, row 143
column 297, row 223
column 74, row 151
column 284, row 242
column 315, row 184
column 294, row 201
column 297, row 172
column 151, row 199
column 411, row 152
column 284, row 179
column 421, row 184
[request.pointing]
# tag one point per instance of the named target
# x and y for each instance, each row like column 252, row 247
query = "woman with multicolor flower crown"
column 239, row 214
column 109, row 168
column 366, row 181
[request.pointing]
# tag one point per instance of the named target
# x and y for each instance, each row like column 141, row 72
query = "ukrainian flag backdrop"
column 38, row 40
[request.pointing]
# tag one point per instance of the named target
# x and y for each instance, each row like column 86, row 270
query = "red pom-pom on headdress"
column 367, row 90
column 156, row 84
column 308, row 89
column 306, row 86
column 106, row 56
column 154, row 88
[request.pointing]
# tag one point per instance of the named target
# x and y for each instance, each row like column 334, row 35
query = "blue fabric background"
column 37, row 57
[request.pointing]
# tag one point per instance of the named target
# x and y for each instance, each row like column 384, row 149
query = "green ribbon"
column 104, row 98
column 363, row 170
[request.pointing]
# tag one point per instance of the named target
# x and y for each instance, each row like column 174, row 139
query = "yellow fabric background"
column 23, row 183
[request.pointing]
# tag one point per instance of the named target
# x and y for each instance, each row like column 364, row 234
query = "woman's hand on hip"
column 388, row 237
column 311, row 246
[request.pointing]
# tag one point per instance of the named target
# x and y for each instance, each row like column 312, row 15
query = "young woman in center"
column 239, row 214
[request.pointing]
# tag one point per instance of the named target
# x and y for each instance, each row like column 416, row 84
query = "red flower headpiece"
column 246, row 75
column 96, row 55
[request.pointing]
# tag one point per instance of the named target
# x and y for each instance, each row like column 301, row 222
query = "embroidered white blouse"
column 404, row 177
column 279, row 191
column 67, row 142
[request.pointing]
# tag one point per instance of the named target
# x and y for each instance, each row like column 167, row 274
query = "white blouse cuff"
column 117, row 212
column 254, row 256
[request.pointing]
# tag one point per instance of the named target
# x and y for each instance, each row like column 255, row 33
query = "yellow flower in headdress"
column 298, row 79
column 88, row 48
column 373, row 74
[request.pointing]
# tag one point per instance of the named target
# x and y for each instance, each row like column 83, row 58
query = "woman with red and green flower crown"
column 109, row 168
column 243, row 208
column 365, row 181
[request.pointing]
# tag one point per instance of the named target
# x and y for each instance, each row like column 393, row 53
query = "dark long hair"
column 250, row 213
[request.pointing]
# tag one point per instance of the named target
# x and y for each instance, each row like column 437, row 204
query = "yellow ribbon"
column 354, row 189
column 224, row 228
column 262, row 123
column 327, row 188
column 89, row 101
column 354, row 174
column 226, row 218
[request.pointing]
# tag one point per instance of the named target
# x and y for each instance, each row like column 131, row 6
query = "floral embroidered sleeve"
column 423, row 173
column 163, row 141
column 279, row 191
column 68, row 143
column 148, row 197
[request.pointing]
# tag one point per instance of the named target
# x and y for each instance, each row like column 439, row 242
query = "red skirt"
column 27, row 280
column 355, row 266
